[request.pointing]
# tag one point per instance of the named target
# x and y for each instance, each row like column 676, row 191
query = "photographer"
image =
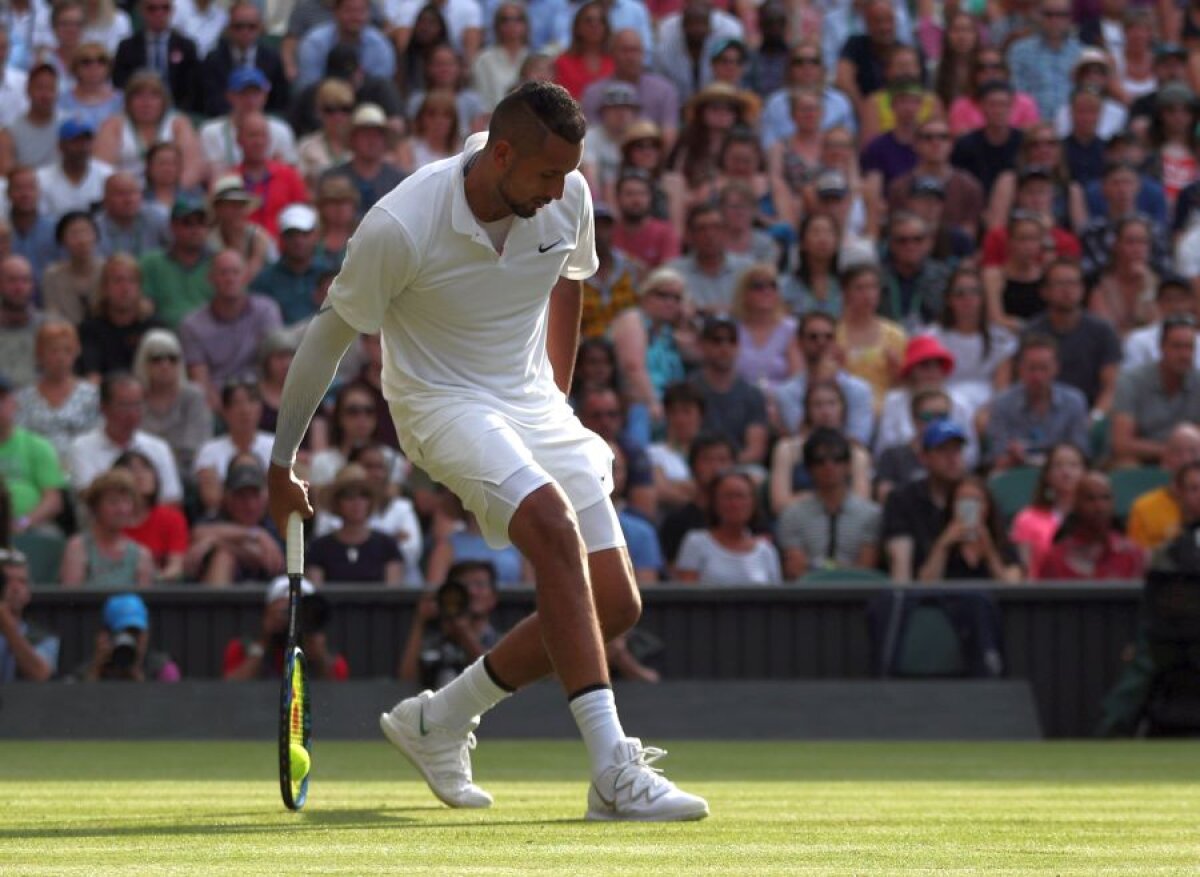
column 261, row 657
column 26, row 651
column 452, row 626
column 123, row 646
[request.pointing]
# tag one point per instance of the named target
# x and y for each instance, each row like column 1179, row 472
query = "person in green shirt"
column 176, row 279
column 30, row 468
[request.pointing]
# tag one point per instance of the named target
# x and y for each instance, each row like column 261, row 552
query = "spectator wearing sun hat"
column 926, row 367
column 368, row 167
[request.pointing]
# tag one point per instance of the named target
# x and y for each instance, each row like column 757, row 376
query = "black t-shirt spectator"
column 1082, row 352
column 1084, row 160
column 361, row 564
column 910, row 511
column 983, row 160
column 868, row 63
column 899, row 465
column 106, row 347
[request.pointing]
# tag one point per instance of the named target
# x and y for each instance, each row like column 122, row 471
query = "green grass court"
column 778, row 808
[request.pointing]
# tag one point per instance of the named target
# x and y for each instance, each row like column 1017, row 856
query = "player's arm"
column 562, row 333
column 312, row 370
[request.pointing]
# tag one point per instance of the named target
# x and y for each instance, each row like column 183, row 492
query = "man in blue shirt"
column 1042, row 63
column 349, row 25
column 26, row 651
column 292, row 280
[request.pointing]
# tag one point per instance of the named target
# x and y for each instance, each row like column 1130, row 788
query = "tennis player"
column 471, row 268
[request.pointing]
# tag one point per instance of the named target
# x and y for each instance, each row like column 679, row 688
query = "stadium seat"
column 44, row 552
column 1012, row 490
column 1129, row 484
column 837, row 576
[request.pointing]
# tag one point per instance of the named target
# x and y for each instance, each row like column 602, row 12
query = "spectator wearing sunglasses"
column 805, row 71
column 175, row 408
column 242, row 45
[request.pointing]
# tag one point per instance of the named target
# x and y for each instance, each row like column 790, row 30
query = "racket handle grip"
column 295, row 544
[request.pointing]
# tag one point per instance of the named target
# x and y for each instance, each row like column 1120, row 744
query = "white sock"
column 469, row 695
column 596, row 715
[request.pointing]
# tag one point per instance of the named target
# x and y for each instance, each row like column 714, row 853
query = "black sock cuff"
column 496, row 680
column 588, row 689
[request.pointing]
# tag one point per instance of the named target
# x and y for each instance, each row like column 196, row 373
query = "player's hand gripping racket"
column 295, row 719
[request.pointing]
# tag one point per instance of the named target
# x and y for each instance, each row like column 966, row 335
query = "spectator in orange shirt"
column 1155, row 516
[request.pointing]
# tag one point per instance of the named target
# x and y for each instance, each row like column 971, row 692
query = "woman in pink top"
column 965, row 115
column 1035, row 526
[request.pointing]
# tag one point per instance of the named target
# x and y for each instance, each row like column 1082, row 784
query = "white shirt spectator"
column 218, row 139
column 94, row 452
column 460, row 16
column 202, row 26
column 1187, row 253
column 216, row 453
column 1143, row 346
column 672, row 58
column 717, row 565
column 111, row 34
column 672, row 464
column 14, row 101
column 60, row 195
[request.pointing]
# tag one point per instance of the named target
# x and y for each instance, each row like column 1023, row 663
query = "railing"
column 1066, row 639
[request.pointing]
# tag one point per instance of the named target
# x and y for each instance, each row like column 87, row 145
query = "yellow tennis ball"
column 300, row 761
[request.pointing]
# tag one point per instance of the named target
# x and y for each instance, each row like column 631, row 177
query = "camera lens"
column 124, row 650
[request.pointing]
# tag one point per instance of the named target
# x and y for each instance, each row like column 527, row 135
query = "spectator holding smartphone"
column 972, row 544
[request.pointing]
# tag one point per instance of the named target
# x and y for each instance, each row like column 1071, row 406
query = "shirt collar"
column 461, row 218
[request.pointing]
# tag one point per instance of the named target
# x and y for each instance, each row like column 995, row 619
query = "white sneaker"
column 442, row 757
column 632, row 790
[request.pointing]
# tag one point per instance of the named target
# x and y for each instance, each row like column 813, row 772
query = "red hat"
column 922, row 349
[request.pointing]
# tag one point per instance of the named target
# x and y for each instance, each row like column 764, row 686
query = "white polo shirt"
column 462, row 325
column 94, row 452
column 60, row 195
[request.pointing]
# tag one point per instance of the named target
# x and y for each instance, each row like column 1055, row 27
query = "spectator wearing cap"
column 1092, row 548
column 805, row 70
column 685, row 43
column 658, row 98
column 926, row 368
column 913, row 281
column 891, row 154
column 241, row 545
column 33, row 477
column 1120, row 187
column 647, row 238
column 1093, row 70
column 164, row 50
column 274, row 183
column 122, row 651
column 1175, row 297
column 28, row 652
column 126, row 140
column 613, row 288
column 230, row 206
column 1173, row 140
column 32, row 232
column 989, row 151
column 220, row 341
column 1151, row 399
column 1025, row 421
column 241, row 411
column 291, row 281
column 246, row 94
column 69, row 285
column 19, row 320
column 76, row 180
column 243, row 44
column 1037, row 194
column 709, row 270
column 961, row 193
column 619, row 108
column 124, row 223
column 728, row 61
column 350, row 25
column 122, row 403
column 1042, row 62
column 1170, row 65
column 733, row 408
column 914, row 514
column 1083, row 148
column 102, row 557
column 31, row 139
column 368, row 167
column 263, row 655
column 176, row 280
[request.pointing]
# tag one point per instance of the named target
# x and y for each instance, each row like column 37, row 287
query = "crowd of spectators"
column 868, row 270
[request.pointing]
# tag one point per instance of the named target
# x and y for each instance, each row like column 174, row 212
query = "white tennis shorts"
column 492, row 463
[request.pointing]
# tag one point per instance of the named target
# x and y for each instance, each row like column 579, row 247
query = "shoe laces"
column 639, row 774
column 453, row 759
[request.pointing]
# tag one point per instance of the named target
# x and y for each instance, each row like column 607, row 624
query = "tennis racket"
column 295, row 717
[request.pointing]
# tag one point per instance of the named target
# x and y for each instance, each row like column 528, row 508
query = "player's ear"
column 504, row 154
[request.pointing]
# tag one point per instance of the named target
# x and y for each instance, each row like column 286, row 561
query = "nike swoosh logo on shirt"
column 544, row 248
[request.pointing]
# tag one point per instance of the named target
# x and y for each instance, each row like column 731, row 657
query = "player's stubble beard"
column 523, row 209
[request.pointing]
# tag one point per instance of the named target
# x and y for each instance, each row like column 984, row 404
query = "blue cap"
column 248, row 77
column 72, row 128
column 941, row 431
column 126, row 610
